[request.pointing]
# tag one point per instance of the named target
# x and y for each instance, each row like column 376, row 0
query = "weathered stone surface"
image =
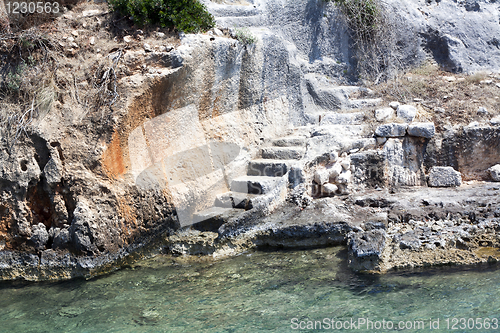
column 39, row 236
column 384, row 114
column 321, row 176
column 330, row 189
column 495, row 121
column 495, row 172
column 424, row 130
column 365, row 249
column 406, row 112
column 394, row 105
column 391, row 130
column 444, row 177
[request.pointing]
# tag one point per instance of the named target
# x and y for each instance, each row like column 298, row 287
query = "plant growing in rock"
column 245, row 36
column 184, row 15
column 378, row 52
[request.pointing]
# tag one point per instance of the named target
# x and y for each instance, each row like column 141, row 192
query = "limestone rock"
column 335, row 171
column 329, row 189
column 321, row 176
column 495, row 121
column 444, row 177
column 407, row 112
column 394, row 105
column 495, row 172
column 384, row 114
column 334, row 156
column 424, row 130
column 391, row 130
column 217, row 32
column 482, row 111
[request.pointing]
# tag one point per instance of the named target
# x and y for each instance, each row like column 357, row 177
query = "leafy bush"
column 245, row 36
column 185, row 15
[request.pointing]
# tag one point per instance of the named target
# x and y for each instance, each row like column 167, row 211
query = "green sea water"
column 265, row 291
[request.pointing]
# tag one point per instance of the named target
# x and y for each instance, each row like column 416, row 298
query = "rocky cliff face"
column 93, row 187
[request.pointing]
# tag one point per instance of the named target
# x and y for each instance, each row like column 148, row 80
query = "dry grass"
column 447, row 98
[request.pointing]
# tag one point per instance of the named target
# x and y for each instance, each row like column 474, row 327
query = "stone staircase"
column 264, row 187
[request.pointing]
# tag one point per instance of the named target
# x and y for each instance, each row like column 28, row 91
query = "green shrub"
column 245, row 36
column 185, row 15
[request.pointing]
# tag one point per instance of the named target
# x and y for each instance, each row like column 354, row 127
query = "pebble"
column 74, row 33
column 147, row 47
column 92, row 40
column 394, row 105
column 127, row 39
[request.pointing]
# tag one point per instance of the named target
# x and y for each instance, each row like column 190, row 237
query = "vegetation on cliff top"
column 185, row 15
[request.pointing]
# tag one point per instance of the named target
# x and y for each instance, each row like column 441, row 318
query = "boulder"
column 424, row 130
column 407, row 112
column 384, row 114
column 391, row 130
column 495, row 172
column 444, row 177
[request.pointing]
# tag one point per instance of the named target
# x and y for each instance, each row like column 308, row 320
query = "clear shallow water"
column 254, row 292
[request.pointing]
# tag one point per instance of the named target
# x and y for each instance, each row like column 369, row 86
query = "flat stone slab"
column 255, row 184
column 423, row 130
column 283, row 153
column 444, row 177
column 391, row 130
column 235, row 200
column 267, row 167
column 289, row 142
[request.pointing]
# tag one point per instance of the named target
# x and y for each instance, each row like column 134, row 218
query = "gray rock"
column 384, row 114
column 391, row 130
column 53, row 171
column 424, row 130
column 321, row 176
column 495, row 172
column 61, row 239
column 482, row 111
column 330, row 189
column 147, row 47
column 407, row 112
column 394, row 105
column 365, row 249
column 444, row 177
column 39, row 236
column 495, row 121
column 217, row 32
